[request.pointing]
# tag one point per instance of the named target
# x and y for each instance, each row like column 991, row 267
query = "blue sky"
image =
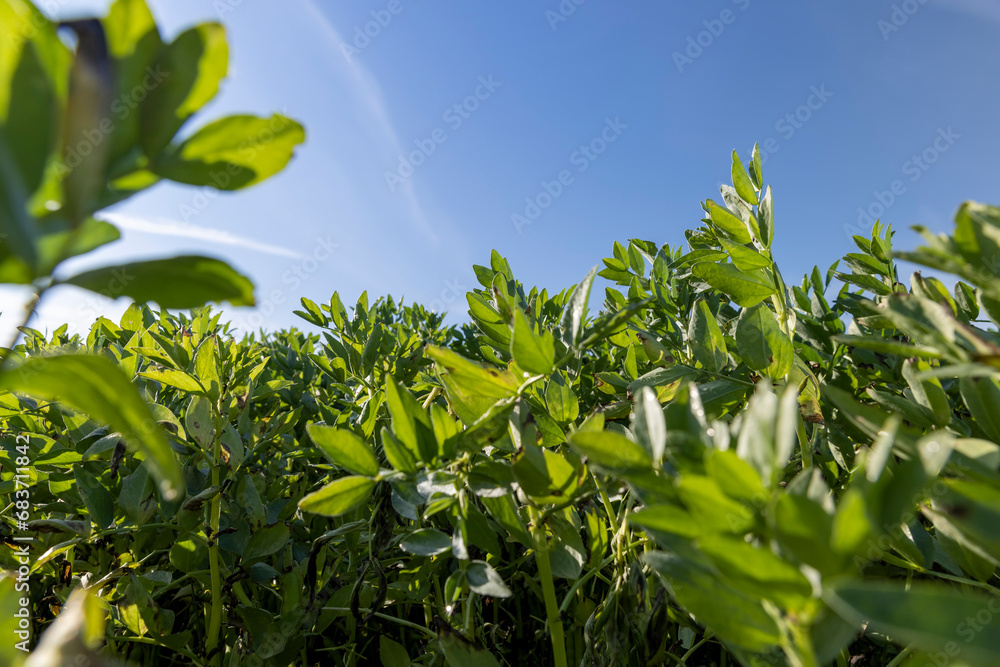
column 841, row 95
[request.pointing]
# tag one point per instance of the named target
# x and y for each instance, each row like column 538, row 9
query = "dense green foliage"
column 718, row 467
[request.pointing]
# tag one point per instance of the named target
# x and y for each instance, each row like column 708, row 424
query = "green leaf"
column 410, row 423
column 339, row 497
column 137, row 496
column 426, row 542
column 533, row 353
column 576, row 309
column 233, row 152
column 473, row 388
column 756, row 168
column 649, row 425
column 735, row 476
column 803, row 527
column 741, row 181
column 757, row 571
column 345, row 449
column 177, row 379
column 460, row 652
column 728, row 223
column 708, row 345
column 745, row 288
column 744, row 258
column 187, row 281
column 16, row 226
column 265, row 542
column 133, row 42
column 545, row 475
column 483, row 579
column 96, row 386
column 192, row 67
column 398, row 455
column 188, row 554
column 561, row 400
column 885, row 346
column 974, row 509
column 199, row 423
column 391, row 653
column 503, row 510
column 762, row 344
column 100, row 504
column 34, row 69
column 929, row 616
column 735, row 618
column 712, row 509
column 206, row 365
column 370, row 354
column 75, row 635
column 61, row 242
column 667, row 519
column 765, row 218
column 611, row 450
column 982, row 397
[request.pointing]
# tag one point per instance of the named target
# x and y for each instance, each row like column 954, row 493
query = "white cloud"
column 165, row 227
column 368, row 92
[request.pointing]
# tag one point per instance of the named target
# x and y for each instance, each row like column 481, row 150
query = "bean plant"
column 710, row 466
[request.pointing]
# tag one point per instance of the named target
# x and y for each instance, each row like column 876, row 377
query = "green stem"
column 215, row 614
column 401, row 621
column 612, row 519
column 548, row 589
column 718, row 376
column 701, row 642
column 804, row 445
column 898, row 660
column 241, row 594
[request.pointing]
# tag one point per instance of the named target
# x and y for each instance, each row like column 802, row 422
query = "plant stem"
column 612, row 518
column 215, row 614
column 401, row 621
column 804, row 444
column 548, row 589
column 898, row 660
column 691, row 651
column 719, row 376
